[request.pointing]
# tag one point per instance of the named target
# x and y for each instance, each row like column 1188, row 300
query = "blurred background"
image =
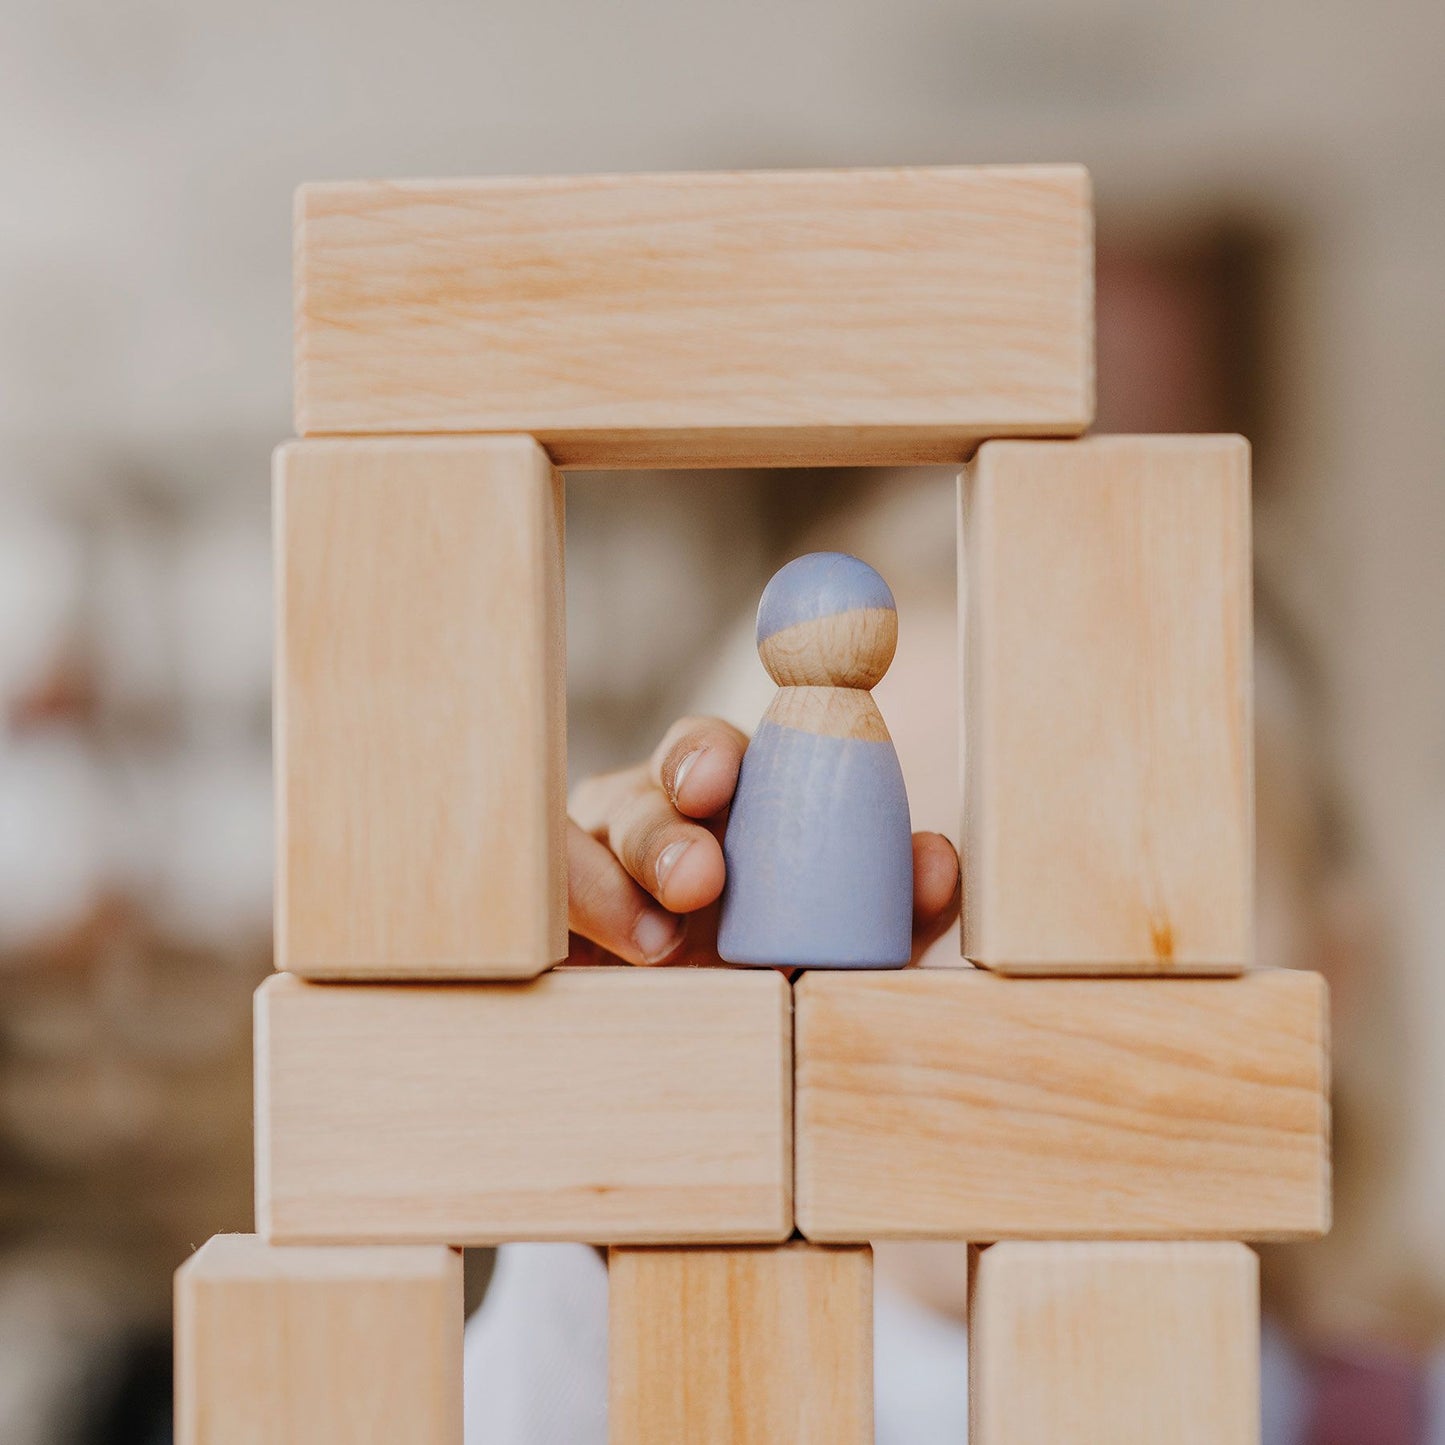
column 1270, row 186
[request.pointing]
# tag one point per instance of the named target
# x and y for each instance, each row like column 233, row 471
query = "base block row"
column 640, row 1106
column 1095, row 1344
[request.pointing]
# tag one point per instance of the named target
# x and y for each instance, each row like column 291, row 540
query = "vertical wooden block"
column 1114, row 1344
column 741, row 1346
column 420, row 709
column 287, row 1346
column 1108, row 788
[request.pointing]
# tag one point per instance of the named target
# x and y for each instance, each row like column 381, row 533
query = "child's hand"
column 650, row 835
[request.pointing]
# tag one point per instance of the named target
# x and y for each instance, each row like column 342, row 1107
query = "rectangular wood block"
column 1109, row 787
column 610, row 1105
column 420, row 712
column 741, row 1346
column 731, row 319
column 955, row 1103
column 1114, row 1344
column 287, row 1346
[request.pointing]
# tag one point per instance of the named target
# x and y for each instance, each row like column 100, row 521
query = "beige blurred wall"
column 150, row 150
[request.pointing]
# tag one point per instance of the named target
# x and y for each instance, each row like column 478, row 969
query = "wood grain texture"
column 730, row 319
column 420, row 711
column 283, row 1346
column 1114, row 1344
column 1107, row 692
column 741, row 1346
column 960, row 1104
column 610, row 1105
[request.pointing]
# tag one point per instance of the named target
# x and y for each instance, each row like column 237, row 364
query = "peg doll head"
column 827, row 620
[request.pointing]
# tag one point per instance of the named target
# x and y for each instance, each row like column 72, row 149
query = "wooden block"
column 1109, row 790
column 420, row 709
column 954, row 1103
column 281, row 1346
column 741, row 1346
column 731, row 319
column 1114, row 1344
column 610, row 1105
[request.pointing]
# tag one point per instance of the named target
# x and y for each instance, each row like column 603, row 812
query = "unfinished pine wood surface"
column 730, row 319
column 609, row 1105
column 741, row 1346
column 1107, row 689
column 1114, row 1344
column 960, row 1104
column 288, row 1346
column 420, row 712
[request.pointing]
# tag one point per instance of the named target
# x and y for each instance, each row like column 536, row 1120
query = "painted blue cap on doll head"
column 827, row 620
column 820, row 584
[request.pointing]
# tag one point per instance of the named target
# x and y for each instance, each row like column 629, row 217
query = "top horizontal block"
column 808, row 318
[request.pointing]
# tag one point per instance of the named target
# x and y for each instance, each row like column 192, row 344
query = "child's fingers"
column 936, row 888
column 679, row 862
column 696, row 764
column 606, row 906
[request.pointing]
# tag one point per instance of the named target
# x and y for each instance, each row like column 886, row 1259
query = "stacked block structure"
column 1105, row 1097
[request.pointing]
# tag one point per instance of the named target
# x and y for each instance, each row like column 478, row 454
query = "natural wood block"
column 611, row 1105
column 420, row 709
column 730, row 319
column 741, row 1346
column 286, row 1346
column 1114, row 1344
column 959, row 1104
column 1109, row 790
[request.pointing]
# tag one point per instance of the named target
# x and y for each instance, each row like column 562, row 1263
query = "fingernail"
column 683, row 769
column 667, row 859
column 656, row 935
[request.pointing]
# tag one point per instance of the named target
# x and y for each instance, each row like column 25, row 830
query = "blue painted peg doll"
column 819, row 848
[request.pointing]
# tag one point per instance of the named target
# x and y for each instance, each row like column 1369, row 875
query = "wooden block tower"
column 1104, row 1096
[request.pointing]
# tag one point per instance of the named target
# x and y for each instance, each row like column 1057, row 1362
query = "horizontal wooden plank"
column 420, row 709
column 743, row 1346
column 1114, row 1344
column 962, row 1104
column 610, row 1105
column 1107, row 705
column 284, row 1345
column 728, row 319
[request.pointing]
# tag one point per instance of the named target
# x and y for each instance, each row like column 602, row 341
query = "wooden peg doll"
column 819, row 848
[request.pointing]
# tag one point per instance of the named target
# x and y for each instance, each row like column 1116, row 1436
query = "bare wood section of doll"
column 848, row 649
column 741, row 1346
column 288, row 1344
column 778, row 318
column 955, row 1103
column 1114, row 1344
column 834, row 712
column 607, row 1105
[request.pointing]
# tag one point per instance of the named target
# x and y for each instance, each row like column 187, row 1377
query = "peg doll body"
column 818, row 847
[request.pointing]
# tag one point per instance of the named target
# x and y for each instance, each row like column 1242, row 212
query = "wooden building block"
column 610, row 1105
column 282, row 1346
column 741, row 1346
column 1114, row 1344
column 954, row 1103
column 420, row 709
column 1109, row 790
column 731, row 319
